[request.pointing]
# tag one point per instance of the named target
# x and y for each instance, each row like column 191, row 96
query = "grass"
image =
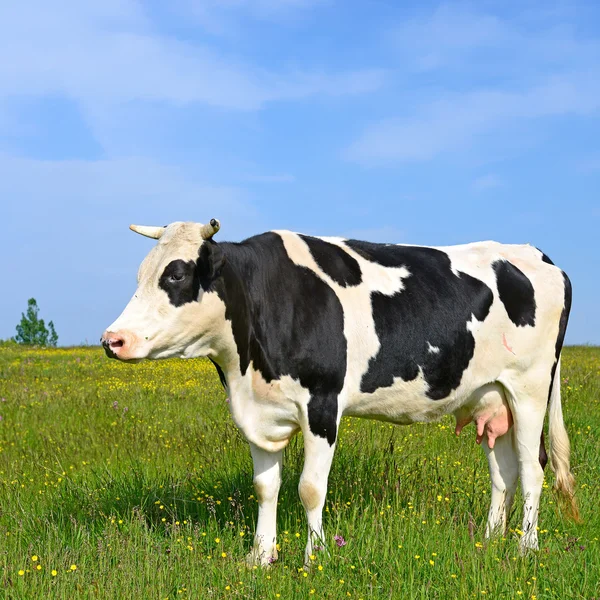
column 130, row 481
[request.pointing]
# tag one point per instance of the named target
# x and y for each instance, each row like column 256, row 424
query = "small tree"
column 32, row 330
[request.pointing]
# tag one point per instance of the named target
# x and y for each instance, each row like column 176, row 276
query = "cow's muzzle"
column 118, row 344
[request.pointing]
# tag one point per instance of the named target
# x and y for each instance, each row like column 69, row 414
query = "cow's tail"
column 560, row 451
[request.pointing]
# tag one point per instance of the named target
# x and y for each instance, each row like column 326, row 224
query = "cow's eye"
column 177, row 277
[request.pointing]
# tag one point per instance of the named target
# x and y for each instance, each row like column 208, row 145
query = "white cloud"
column 441, row 38
column 456, row 121
column 455, row 36
column 486, row 182
column 490, row 74
column 111, row 54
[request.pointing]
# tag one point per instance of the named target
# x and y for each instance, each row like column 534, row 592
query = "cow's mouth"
column 108, row 349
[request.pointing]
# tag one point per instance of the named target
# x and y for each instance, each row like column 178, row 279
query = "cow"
column 303, row 330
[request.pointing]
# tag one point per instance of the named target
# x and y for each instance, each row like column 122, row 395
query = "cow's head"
column 170, row 313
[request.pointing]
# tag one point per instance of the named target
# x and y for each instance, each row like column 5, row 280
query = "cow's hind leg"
column 504, row 472
column 318, row 455
column 267, row 480
column 528, row 411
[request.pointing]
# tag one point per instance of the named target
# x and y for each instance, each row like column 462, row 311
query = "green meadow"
column 131, row 481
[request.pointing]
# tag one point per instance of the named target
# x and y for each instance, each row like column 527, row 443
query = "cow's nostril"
column 116, row 343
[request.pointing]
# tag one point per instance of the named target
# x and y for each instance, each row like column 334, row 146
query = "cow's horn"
column 208, row 230
column 151, row 232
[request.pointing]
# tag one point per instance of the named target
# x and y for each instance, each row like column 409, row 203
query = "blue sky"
column 413, row 122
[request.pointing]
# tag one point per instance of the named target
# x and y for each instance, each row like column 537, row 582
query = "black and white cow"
column 303, row 330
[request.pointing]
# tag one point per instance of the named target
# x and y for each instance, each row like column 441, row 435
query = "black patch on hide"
column 516, row 293
column 435, row 306
column 334, row 261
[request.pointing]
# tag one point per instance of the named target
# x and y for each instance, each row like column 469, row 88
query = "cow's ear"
column 210, row 262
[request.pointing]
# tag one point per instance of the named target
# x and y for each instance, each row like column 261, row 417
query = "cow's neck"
column 242, row 280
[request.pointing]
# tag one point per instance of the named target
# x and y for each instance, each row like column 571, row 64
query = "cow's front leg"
column 318, row 454
column 267, row 479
